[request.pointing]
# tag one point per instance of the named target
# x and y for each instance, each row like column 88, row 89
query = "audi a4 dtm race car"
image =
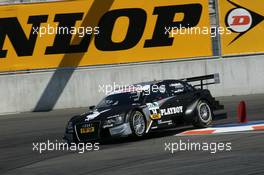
column 155, row 105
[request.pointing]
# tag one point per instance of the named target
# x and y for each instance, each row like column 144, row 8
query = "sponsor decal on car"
column 154, row 110
column 172, row 110
column 94, row 114
column 157, row 113
column 169, row 122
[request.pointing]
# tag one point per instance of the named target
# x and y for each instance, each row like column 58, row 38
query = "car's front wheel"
column 204, row 115
column 137, row 123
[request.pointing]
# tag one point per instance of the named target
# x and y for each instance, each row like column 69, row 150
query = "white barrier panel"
column 21, row 92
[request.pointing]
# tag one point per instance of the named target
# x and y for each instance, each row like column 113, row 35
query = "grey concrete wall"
column 21, row 92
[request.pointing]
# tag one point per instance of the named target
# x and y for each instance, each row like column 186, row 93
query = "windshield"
column 119, row 99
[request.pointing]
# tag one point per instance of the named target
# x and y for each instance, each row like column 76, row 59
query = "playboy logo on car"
column 156, row 112
column 172, row 110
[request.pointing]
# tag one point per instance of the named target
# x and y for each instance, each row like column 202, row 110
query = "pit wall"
column 80, row 88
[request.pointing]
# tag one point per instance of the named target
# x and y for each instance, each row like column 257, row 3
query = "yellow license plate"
column 86, row 130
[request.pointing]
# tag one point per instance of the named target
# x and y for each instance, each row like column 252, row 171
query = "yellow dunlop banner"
column 87, row 32
column 244, row 19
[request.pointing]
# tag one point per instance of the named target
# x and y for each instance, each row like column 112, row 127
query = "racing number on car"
column 154, row 110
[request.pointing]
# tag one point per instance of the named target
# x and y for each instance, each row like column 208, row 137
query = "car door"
column 157, row 101
column 180, row 97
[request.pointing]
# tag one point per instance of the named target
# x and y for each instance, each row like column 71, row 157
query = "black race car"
column 141, row 108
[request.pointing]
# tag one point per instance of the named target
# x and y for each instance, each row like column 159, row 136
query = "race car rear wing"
column 204, row 80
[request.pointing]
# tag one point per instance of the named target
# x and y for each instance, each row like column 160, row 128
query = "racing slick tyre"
column 204, row 115
column 137, row 123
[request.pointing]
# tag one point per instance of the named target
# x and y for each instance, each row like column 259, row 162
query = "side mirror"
column 91, row 107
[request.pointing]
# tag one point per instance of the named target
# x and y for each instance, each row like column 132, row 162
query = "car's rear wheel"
column 204, row 115
column 137, row 123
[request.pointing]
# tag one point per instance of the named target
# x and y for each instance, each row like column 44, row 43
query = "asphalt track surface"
column 129, row 156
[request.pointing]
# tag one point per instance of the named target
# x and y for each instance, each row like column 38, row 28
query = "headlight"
column 114, row 120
